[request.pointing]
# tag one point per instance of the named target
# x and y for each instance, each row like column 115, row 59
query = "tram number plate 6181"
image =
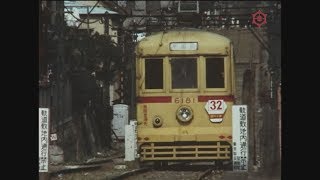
column 186, row 100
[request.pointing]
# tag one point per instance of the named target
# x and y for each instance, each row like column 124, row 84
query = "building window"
column 215, row 72
column 153, row 74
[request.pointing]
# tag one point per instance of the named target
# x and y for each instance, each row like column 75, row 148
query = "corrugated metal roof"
column 82, row 8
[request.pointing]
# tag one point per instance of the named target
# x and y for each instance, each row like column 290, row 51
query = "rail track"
column 191, row 171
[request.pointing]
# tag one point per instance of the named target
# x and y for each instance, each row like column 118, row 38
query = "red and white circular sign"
column 216, row 109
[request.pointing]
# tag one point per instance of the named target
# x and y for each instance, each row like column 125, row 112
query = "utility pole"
column 88, row 26
column 133, row 81
column 57, row 21
column 122, row 69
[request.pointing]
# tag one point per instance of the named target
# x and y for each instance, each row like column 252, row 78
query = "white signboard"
column 131, row 141
column 183, row 46
column 120, row 120
column 53, row 137
column 43, row 139
column 216, row 109
column 240, row 137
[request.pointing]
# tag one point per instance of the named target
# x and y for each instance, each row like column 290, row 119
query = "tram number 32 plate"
column 216, row 109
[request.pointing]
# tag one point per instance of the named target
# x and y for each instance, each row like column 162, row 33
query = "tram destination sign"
column 183, row 46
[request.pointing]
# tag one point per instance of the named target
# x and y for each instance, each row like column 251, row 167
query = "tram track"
column 172, row 171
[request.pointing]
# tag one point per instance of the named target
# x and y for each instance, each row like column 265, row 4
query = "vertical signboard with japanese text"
column 240, row 137
column 43, row 139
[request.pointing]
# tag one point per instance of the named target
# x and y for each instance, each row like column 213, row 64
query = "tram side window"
column 215, row 72
column 154, row 74
column 184, row 73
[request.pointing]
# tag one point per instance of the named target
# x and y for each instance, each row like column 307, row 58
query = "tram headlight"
column 184, row 114
column 157, row 121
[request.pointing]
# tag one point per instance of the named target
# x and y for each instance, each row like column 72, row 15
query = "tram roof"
column 208, row 43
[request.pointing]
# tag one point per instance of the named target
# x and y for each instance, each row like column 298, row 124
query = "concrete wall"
column 250, row 55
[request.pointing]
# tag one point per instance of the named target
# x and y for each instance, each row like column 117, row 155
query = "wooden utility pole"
column 248, row 99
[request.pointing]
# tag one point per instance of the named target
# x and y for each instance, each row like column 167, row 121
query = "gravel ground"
column 107, row 171
column 172, row 175
column 116, row 167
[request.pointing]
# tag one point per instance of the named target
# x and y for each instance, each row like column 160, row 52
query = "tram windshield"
column 183, row 73
column 215, row 72
column 154, row 74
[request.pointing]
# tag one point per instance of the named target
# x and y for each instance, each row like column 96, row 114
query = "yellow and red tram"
column 185, row 91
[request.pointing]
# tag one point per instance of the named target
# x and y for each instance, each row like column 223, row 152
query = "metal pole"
column 53, row 8
column 279, row 117
column 133, row 81
column 122, row 67
column 88, row 26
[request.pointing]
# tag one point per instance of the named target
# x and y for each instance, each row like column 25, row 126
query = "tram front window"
column 153, row 74
column 215, row 72
column 184, row 73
